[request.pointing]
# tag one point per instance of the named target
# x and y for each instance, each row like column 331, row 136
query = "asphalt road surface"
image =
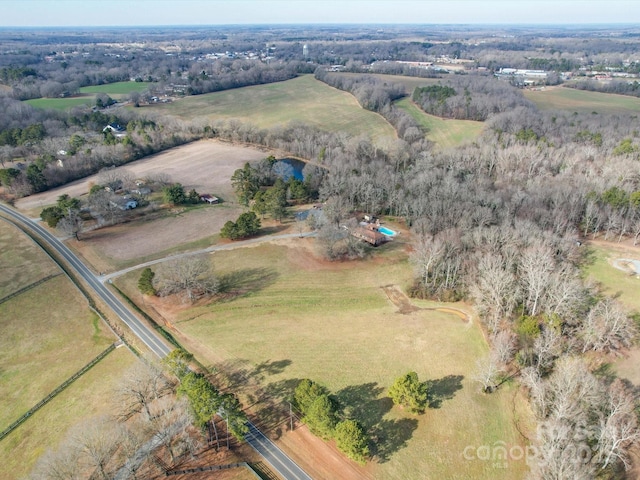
column 280, row 462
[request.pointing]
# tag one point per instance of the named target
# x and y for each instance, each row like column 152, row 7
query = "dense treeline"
column 378, row 96
column 469, row 97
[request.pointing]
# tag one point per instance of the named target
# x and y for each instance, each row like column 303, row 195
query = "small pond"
column 285, row 168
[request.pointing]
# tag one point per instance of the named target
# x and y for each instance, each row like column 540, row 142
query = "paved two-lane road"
column 280, row 462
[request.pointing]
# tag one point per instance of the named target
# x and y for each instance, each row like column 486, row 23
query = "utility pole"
column 291, row 415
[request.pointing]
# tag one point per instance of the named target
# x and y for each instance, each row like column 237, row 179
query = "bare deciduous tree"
column 536, row 265
column 487, row 371
column 494, row 290
column 62, row 464
column 191, row 276
column 71, row 224
column 116, row 178
column 142, row 385
column 618, row 426
column 547, row 347
column 503, row 346
column 97, row 442
column 607, row 328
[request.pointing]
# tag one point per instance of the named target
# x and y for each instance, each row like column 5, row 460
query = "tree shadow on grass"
column 270, row 367
column 240, row 282
column 442, row 389
column 364, row 404
column 389, row 436
column 361, row 402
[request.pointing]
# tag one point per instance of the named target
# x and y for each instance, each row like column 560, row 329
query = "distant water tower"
column 305, row 51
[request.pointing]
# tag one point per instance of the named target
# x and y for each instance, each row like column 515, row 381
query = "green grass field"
column 302, row 99
column 296, row 316
column 48, row 334
column 583, row 101
column 444, row 133
column 118, row 88
column 117, row 91
column 615, row 282
column 61, row 103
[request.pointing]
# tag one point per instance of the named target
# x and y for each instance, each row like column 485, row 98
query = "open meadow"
column 443, row 132
column 287, row 314
column 87, row 95
column 583, row 101
column 302, row 99
column 48, row 334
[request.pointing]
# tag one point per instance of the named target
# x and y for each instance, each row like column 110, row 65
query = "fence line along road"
column 285, row 467
column 141, row 330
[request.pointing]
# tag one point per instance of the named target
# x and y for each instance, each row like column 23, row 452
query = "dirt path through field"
column 400, row 300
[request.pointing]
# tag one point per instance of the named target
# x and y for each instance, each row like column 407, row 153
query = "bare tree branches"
column 607, row 328
column 190, row 276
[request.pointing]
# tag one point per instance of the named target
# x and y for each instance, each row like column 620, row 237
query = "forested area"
column 469, row 98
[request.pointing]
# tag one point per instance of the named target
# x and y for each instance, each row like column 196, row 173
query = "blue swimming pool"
column 387, row 232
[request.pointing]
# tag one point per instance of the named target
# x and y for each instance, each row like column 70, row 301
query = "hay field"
column 582, row 101
column 296, row 315
column 302, row 99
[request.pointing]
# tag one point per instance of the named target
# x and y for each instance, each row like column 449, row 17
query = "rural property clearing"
column 287, row 314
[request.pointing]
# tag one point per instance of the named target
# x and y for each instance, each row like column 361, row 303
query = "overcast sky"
column 220, row 12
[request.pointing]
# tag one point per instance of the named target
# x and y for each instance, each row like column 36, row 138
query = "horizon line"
column 291, row 24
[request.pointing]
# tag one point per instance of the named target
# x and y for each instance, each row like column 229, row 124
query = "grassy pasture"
column 48, row 333
column 49, row 325
column 297, row 316
column 61, row 103
column 302, row 99
column 87, row 95
column 583, row 101
column 615, row 282
column 444, row 133
column 22, row 262
column 90, row 395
